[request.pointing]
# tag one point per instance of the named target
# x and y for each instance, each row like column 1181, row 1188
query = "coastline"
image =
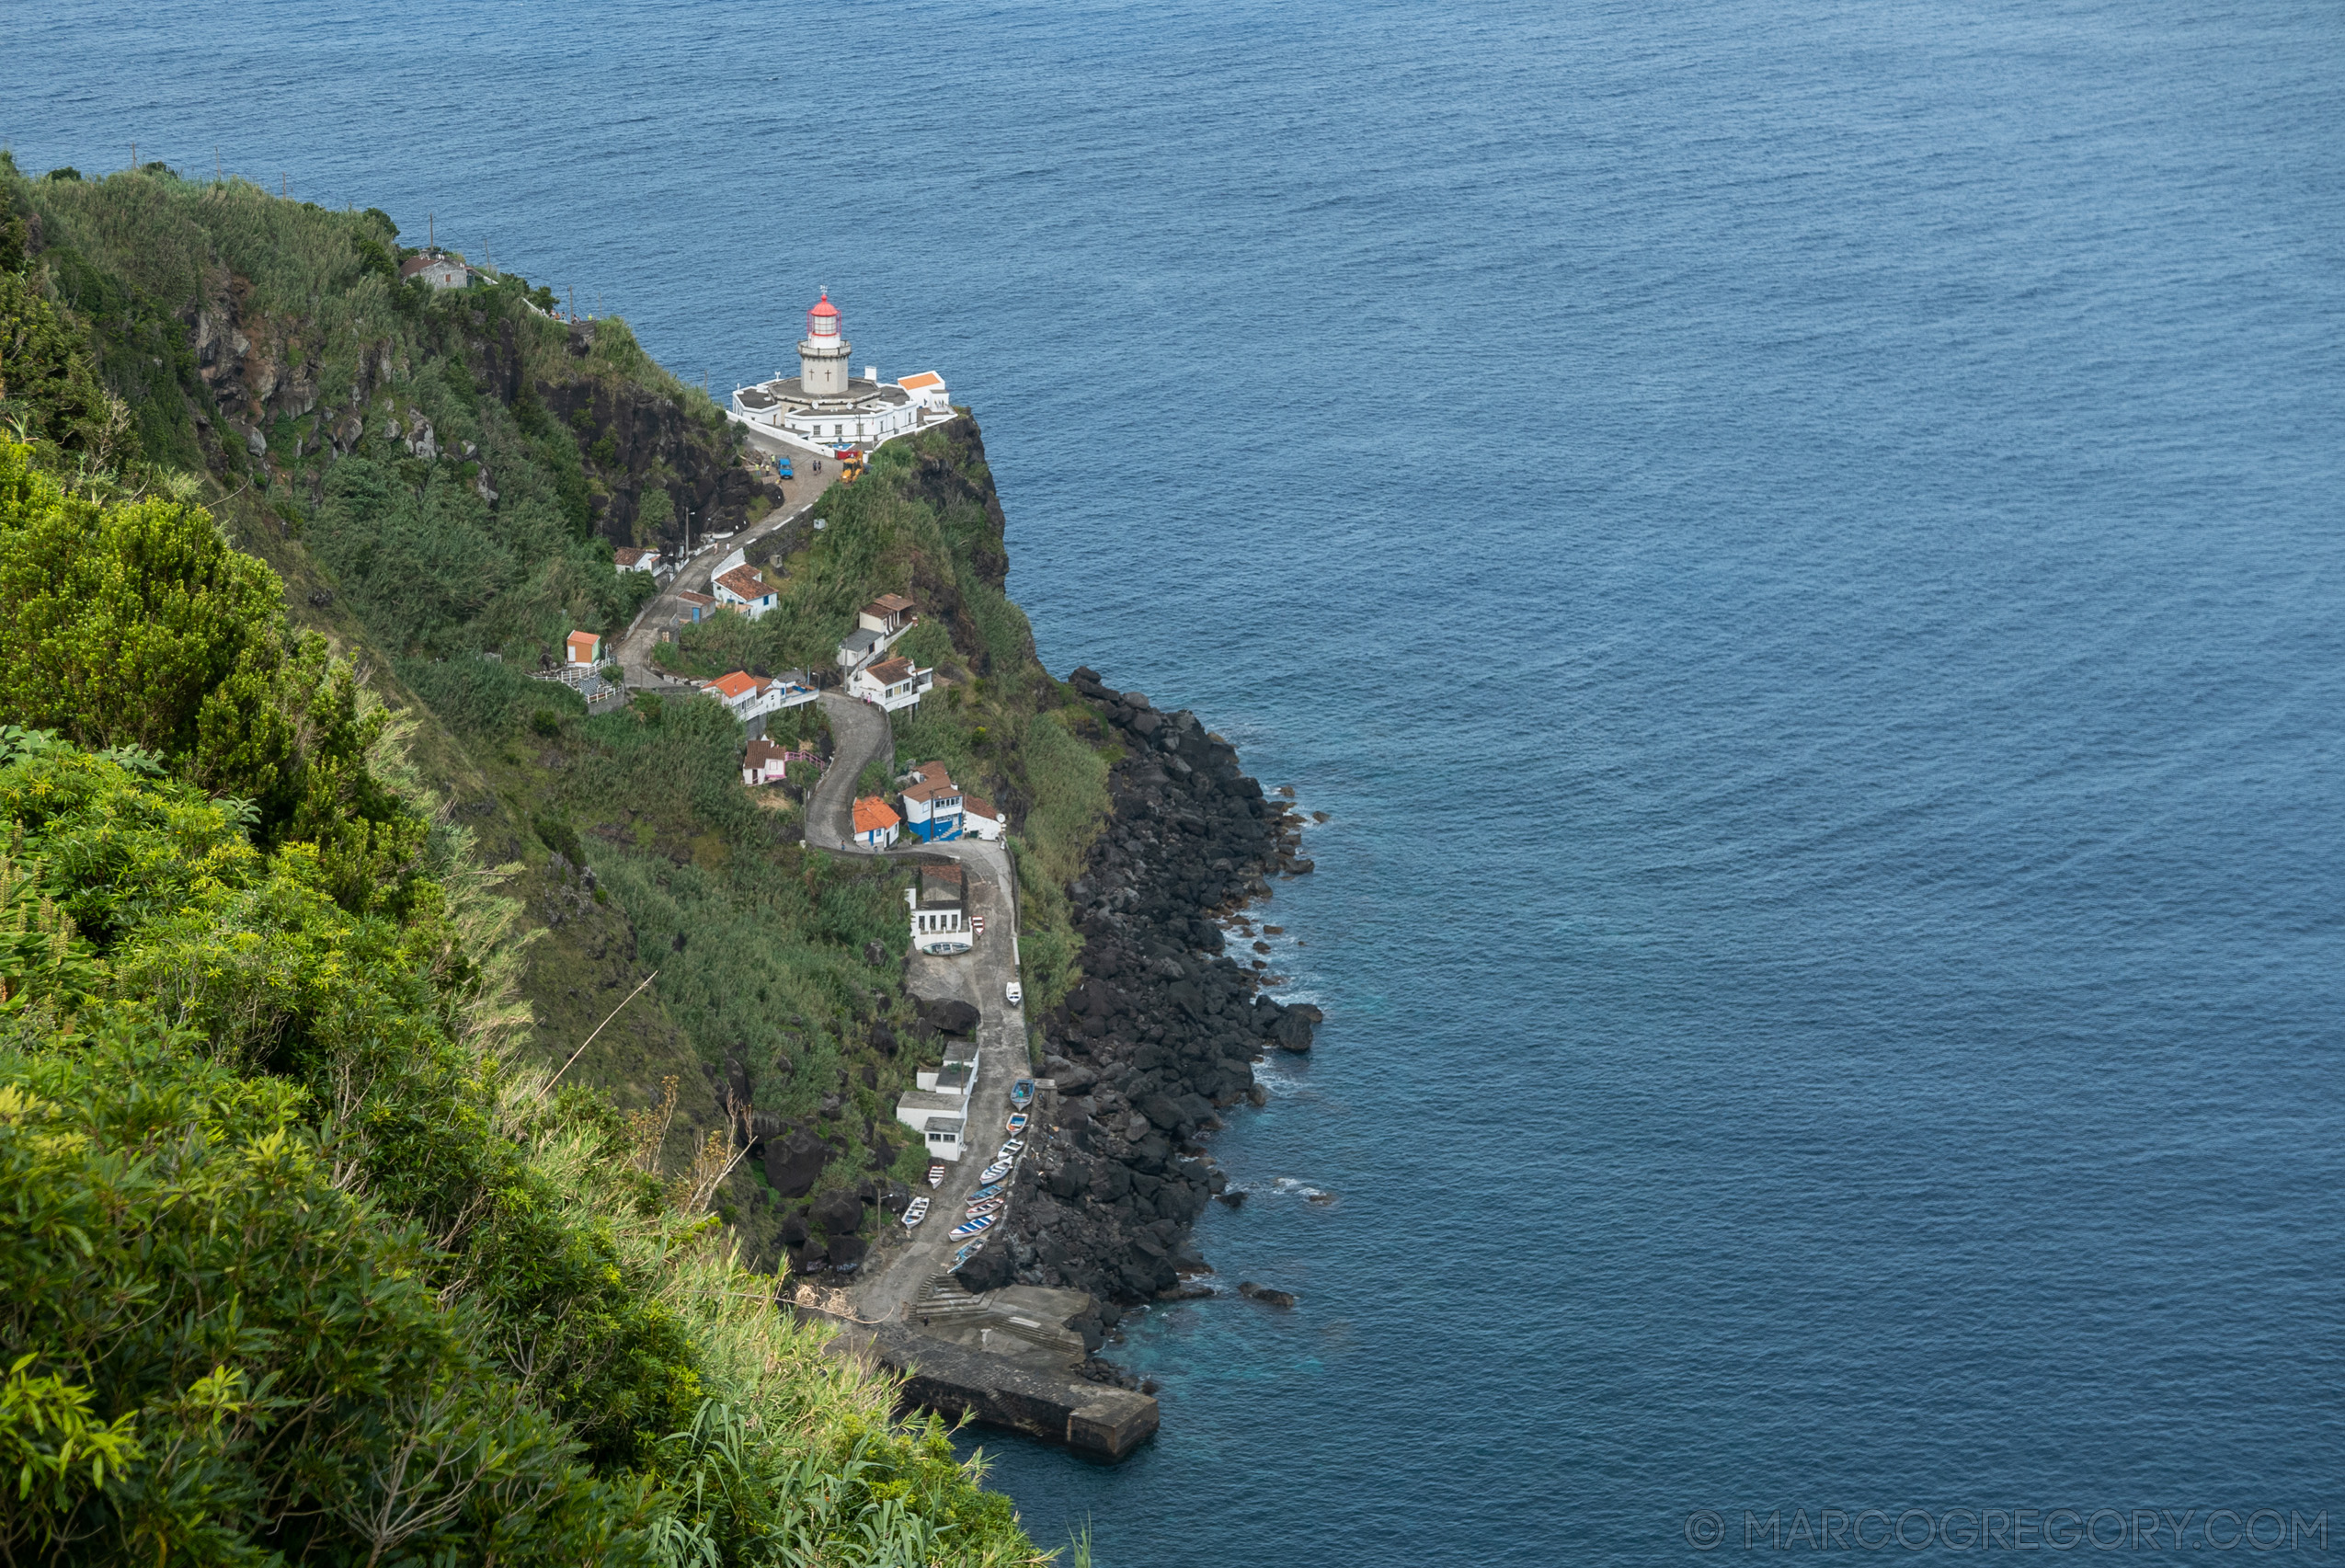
column 1161, row 1033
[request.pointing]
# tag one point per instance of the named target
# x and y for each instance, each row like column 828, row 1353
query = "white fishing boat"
column 936, row 1174
column 914, row 1212
column 994, row 1172
column 976, row 1226
column 1018, row 1122
column 990, row 1189
column 987, row 1206
column 965, row 1254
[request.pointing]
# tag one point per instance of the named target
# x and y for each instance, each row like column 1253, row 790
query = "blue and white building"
column 933, row 804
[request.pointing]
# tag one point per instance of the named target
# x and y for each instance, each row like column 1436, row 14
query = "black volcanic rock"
column 841, row 1213
column 950, row 1016
column 794, row 1162
column 1163, row 1029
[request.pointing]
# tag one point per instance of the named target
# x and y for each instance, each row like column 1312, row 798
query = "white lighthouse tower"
column 822, row 352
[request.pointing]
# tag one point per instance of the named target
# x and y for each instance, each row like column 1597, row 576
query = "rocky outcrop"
column 635, row 439
column 1161, row 1035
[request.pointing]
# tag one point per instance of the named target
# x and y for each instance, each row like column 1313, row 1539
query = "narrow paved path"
column 635, row 644
column 898, row 1267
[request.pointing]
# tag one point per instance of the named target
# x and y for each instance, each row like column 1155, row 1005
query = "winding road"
column 900, row 1265
column 642, row 636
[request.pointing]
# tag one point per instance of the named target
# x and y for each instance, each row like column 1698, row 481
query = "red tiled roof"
column 978, row 806
column 888, row 604
column 583, row 642
column 744, row 581
column 689, row 597
column 889, row 672
column 925, row 379
column 873, row 814
column 762, row 750
column 739, row 683
column 931, row 791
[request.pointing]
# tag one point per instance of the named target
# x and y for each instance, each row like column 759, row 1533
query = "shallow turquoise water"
column 1800, row 544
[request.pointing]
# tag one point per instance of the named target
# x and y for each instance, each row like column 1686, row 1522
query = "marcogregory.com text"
column 2009, row 1530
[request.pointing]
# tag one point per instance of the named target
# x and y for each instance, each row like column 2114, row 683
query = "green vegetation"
column 306, row 1254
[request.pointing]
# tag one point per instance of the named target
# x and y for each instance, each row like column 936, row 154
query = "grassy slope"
column 575, row 432
column 404, row 564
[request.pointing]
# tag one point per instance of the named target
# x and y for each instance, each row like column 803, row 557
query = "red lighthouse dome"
column 823, row 320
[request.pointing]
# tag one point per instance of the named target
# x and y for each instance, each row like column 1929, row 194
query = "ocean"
column 1802, row 548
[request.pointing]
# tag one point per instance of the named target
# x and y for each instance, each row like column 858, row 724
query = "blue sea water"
column 1802, row 546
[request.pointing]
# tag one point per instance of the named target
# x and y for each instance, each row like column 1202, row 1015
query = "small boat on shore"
column 965, row 1254
column 1021, row 1091
column 1011, row 1149
column 1018, row 1122
column 969, row 1227
column 914, row 1212
column 994, row 1172
column 990, row 1205
column 936, row 1174
column 990, row 1189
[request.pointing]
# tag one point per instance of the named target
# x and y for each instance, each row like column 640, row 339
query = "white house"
column 980, row 819
column 743, row 591
column 874, row 823
column 629, row 560
column 878, row 625
column 940, row 912
column 763, row 762
column 437, row 269
column 935, row 1119
column 823, row 407
column 892, row 683
column 887, row 615
column 749, row 696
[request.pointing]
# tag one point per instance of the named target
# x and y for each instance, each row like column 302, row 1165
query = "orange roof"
column 978, row 806
column 932, row 773
column 740, row 683
column 925, row 379
column 745, row 581
column 689, row 597
column 890, row 671
column 583, row 641
column 872, row 814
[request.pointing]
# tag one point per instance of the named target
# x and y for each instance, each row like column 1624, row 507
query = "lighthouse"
column 822, row 352
column 823, row 407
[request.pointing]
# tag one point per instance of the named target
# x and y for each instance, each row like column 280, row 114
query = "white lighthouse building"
column 824, row 408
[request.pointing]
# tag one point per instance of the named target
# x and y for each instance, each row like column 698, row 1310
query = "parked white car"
column 1017, row 997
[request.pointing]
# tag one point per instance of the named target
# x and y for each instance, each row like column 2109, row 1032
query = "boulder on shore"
column 1264, row 1295
column 950, row 1016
